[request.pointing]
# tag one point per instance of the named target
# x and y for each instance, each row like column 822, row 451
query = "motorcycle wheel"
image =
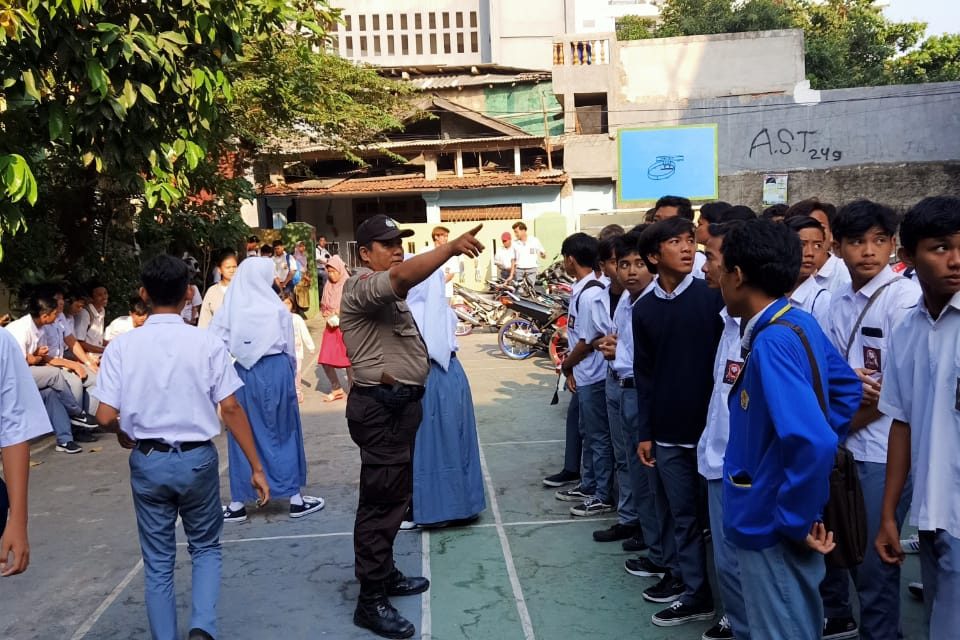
column 558, row 348
column 511, row 348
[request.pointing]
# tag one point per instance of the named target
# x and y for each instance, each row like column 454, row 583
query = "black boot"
column 374, row 612
column 400, row 585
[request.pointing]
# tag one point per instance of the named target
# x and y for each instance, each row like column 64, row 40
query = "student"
column 710, row 213
column 68, row 355
column 440, row 236
column 676, row 206
column 333, row 351
column 775, row 212
column 266, row 251
column 808, row 294
column 253, row 247
column 676, row 329
column 863, row 314
column 585, row 370
column 213, row 299
column 529, row 250
column 783, row 437
column 164, row 383
column 138, row 310
column 286, row 272
column 193, row 300
column 301, row 337
column 920, row 394
column 506, row 258
column 831, row 272
column 90, row 323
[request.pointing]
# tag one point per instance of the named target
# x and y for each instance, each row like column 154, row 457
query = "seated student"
column 90, row 323
column 863, row 314
column 266, row 251
column 920, row 394
column 808, row 294
column 676, row 329
column 792, row 397
column 138, row 309
column 21, row 420
column 164, row 384
column 831, row 273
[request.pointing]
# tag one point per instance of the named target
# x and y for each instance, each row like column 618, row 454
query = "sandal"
column 333, row 397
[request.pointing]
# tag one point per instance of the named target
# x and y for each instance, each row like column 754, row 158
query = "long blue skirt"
column 269, row 398
column 447, row 478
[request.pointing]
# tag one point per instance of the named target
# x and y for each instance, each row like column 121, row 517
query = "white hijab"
column 436, row 321
column 253, row 321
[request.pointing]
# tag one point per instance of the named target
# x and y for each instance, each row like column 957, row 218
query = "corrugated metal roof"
column 418, row 182
column 427, row 83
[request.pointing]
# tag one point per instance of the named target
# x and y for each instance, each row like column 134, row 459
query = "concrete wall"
column 591, row 16
column 593, row 196
column 320, row 212
column 522, row 32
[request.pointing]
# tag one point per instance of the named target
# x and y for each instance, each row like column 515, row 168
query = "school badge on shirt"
column 732, row 371
column 744, row 399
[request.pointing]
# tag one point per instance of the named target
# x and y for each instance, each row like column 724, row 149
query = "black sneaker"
column 84, row 435
column 644, row 567
column 635, row 544
column 199, row 634
column 310, row 505
column 560, row 479
column 719, row 631
column 839, row 628
column 667, row 590
column 69, row 447
column 682, row 613
column 614, row 533
column 572, row 495
column 916, row 590
column 592, row 506
column 83, row 420
column 238, row 516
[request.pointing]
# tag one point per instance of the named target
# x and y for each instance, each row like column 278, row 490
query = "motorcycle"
column 474, row 310
column 537, row 327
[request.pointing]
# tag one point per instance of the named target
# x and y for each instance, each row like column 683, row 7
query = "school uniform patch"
column 732, row 371
column 871, row 359
column 744, row 400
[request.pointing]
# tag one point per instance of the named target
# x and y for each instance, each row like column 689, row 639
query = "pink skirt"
column 333, row 352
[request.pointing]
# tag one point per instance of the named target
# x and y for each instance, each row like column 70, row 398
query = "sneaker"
column 84, row 435
column 69, row 447
column 83, row 420
column 667, row 590
column 560, row 479
column 614, row 533
column 572, row 495
column 310, row 505
column 916, row 590
column 592, row 506
column 839, row 628
column 199, row 634
column 644, row 567
column 408, row 525
column 682, row 613
column 635, row 544
column 911, row 545
column 238, row 516
column 719, row 631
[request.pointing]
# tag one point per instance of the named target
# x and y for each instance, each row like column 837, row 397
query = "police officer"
column 390, row 366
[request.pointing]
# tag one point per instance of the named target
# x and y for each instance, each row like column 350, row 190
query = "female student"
column 301, row 336
column 333, row 352
column 213, row 300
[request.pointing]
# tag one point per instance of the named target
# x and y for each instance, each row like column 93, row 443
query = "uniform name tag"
column 871, row 359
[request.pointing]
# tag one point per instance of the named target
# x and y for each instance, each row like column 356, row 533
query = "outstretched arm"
column 412, row 272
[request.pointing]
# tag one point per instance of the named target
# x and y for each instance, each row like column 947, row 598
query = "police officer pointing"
column 390, row 366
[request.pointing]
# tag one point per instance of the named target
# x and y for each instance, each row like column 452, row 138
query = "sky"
column 941, row 16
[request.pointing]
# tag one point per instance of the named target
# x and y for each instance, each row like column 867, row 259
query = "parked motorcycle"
column 475, row 310
column 537, row 327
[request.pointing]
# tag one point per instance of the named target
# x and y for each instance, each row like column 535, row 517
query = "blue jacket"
column 781, row 450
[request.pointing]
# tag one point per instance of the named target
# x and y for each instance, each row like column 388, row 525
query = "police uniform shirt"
column 869, row 348
column 22, row 414
column 580, row 326
column 379, row 332
column 726, row 368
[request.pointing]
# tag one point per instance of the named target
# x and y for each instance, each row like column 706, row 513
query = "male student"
column 529, row 251
column 831, row 272
column 90, row 323
column 679, row 207
column 159, row 389
column 792, row 397
column 863, row 314
column 921, row 393
column 676, row 329
column 138, row 310
column 809, row 294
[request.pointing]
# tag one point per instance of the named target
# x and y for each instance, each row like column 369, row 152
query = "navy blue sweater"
column 674, row 345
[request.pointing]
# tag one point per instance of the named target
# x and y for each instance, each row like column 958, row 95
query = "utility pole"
column 546, row 132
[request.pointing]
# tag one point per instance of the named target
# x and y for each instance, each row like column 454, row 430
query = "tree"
column 635, row 28
column 936, row 60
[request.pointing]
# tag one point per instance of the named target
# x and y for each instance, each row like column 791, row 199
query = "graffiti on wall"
column 788, row 142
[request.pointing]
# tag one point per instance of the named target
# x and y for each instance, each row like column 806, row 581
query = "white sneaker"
column 408, row 525
column 911, row 544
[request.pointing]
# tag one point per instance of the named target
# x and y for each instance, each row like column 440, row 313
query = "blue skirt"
column 447, row 478
column 269, row 399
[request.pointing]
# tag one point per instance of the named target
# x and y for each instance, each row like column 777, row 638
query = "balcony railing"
column 581, row 51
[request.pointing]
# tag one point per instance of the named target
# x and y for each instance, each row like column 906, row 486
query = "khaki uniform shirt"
column 379, row 332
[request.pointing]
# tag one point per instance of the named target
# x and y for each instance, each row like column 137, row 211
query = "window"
column 376, row 22
column 480, row 213
column 418, row 20
column 419, row 45
column 349, row 23
column 390, row 22
column 460, row 42
column 405, row 45
column 363, row 46
column 376, row 45
column 446, row 20
column 390, row 48
column 433, row 20
column 459, row 19
column 474, row 42
column 473, row 19
column 349, row 52
column 403, row 21
column 446, row 43
column 433, row 43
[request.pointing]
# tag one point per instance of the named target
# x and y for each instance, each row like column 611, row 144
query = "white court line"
column 497, row 444
column 426, row 620
column 521, row 603
column 302, row 536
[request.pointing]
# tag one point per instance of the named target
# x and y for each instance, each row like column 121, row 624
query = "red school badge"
column 732, row 371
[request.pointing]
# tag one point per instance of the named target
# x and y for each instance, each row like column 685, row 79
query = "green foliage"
column 936, row 60
column 635, row 28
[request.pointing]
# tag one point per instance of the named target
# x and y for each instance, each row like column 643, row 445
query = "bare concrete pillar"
column 430, row 166
column 458, row 163
column 516, row 161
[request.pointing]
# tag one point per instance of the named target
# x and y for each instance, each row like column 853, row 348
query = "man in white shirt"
column 284, row 268
column 832, row 273
column 90, row 323
column 451, row 267
column 322, row 256
column 529, row 251
column 809, row 295
column 139, row 310
column 506, row 258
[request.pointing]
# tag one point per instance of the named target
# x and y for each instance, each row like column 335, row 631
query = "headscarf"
column 252, row 320
column 300, row 255
column 333, row 291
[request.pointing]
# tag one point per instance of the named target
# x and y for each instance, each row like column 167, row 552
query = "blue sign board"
column 676, row 161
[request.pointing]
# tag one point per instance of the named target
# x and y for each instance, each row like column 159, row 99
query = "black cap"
column 380, row 227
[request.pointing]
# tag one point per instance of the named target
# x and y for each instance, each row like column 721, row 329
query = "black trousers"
column 383, row 422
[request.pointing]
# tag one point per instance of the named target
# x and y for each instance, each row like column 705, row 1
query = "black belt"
column 147, row 446
column 623, row 383
column 397, row 390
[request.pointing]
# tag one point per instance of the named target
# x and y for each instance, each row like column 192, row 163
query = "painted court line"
column 426, row 619
column 302, row 536
column 515, row 442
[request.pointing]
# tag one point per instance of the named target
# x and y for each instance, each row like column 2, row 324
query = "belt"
column 149, row 445
column 626, row 383
column 397, row 389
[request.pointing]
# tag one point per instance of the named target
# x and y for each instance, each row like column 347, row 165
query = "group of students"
column 709, row 404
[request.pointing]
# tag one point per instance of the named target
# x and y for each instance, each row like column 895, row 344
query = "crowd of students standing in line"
column 711, row 390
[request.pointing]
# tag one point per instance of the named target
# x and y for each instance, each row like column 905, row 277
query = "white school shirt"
column 872, row 340
column 22, row 414
column 833, row 275
column 528, row 253
column 27, row 335
column 726, row 367
column 505, row 257
column 97, row 323
column 118, row 327
column 450, row 267
column 195, row 301
column 53, row 336
column 815, row 299
column 661, row 293
column 301, row 336
column 921, row 387
column 592, row 369
column 699, row 259
column 434, row 318
column 622, row 365
column 166, row 379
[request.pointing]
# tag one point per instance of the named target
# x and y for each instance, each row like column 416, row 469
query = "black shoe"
column 69, row 447
column 635, row 544
column 916, row 590
column 84, row 435
column 560, row 479
column 667, row 590
column 83, row 420
column 572, row 495
column 839, row 628
column 310, row 505
column 719, row 631
column 614, row 533
column 374, row 612
column 199, row 634
column 644, row 567
column 682, row 613
column 236, row 517
column 401, row 585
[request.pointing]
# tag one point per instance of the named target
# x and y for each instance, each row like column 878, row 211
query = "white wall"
column 600, row 16
column 316, row 211
column 593, row 196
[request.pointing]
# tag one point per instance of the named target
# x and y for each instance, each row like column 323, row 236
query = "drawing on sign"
column 663, row 168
